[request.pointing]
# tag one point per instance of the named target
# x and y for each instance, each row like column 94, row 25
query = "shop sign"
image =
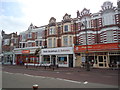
column 97, row 47
column 25, row 51
column 53, row 51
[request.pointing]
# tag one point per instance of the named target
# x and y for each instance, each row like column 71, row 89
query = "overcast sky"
column 17, row 15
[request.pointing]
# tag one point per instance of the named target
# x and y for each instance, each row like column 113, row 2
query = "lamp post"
column 86, row 57
column 75, row 33
column 96, row 25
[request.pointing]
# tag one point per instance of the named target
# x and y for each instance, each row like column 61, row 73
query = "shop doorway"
column 53, row 60
column 102, row 61
column 70, row 60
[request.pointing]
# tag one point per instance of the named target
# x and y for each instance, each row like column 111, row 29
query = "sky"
column 17, row 15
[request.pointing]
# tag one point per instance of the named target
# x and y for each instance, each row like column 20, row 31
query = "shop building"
column 57, row 39
column 99, row 36
column 60, row 38
column 9, row 42
column 30, row 40
column 102, row 54
column 62, row 56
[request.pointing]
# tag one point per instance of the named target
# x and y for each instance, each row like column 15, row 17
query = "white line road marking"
column 68, row 80
column 8, row 72
column 50, row 78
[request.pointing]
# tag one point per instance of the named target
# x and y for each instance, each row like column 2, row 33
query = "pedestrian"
column 21, row 62
column 113, row 65
column 11, row 62
column 92, row 62
column 118, row 64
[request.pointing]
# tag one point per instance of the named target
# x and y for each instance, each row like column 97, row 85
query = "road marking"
column 72, row 81
column 8, row 72
column 33, row 76
column 68, row 80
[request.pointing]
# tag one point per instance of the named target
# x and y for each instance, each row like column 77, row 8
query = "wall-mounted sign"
column 97, row 47
column 25, row 51
column 54, row 51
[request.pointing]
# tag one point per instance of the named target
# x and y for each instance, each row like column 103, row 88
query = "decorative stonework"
column 107, row 6
column 66, row 18
column 84, row 12
column 52, row 20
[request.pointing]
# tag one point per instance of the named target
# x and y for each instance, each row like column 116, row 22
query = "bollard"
column 35, row 87
column 53, row 68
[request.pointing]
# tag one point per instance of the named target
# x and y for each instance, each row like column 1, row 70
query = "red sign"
column 97, row 47
column 25, row 51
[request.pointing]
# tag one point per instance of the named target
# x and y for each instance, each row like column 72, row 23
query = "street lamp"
column 86, row 57
column 76, row 43
column 96, row 25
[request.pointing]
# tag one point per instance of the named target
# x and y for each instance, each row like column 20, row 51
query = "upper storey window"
column 52, row 31
column 66, row 28
column 23, row 37
column 108, row 19
column 29, row 35
column 108, row 13
column 7, row 42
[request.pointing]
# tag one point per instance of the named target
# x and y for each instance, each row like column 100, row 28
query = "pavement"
column 100, row 76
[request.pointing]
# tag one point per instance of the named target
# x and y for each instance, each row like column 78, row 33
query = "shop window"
column 62, row 60
column 46, row 59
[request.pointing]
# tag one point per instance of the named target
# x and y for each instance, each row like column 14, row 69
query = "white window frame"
column 50, row 42
column 65, row 42
column 52, row 30
column 29, row 35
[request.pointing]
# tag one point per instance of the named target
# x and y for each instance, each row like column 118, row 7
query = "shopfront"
column 7, row 57
column 99, row 55
column 63, row 57
column 25, row 56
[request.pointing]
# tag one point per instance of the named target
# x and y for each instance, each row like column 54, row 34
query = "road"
column 18, row 80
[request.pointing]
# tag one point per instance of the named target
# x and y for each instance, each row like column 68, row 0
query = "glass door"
column 102, row 61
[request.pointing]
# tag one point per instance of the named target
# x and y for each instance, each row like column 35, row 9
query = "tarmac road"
column 18, row 80
column 96, row 77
